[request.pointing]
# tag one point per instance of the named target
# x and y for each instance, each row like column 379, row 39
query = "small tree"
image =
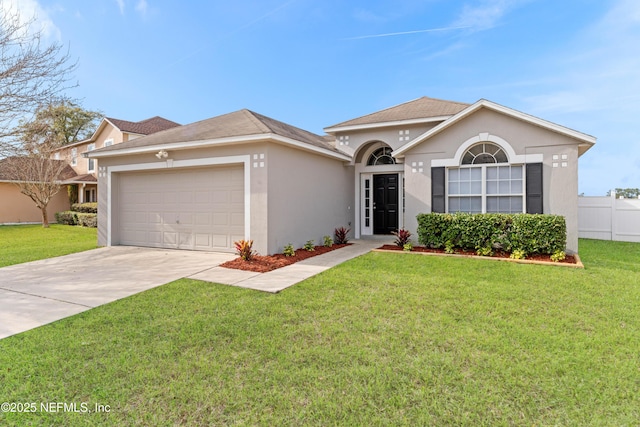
column 38, row 177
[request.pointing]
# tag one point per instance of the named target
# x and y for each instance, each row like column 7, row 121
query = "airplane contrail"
column 406, row 32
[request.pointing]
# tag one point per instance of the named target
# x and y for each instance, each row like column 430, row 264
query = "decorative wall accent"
column 257, row 163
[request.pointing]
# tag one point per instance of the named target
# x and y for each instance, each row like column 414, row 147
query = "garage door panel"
column 186, row 208
column 237, row 219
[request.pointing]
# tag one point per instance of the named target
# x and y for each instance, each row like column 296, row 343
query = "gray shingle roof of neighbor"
column 144, row 127
column 8, row 165
column 420, row 108
column 237, row 124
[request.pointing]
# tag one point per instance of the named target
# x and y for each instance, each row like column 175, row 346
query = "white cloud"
column 30, row 10
column 142, row 7
column 120, row 6
column 486, row 15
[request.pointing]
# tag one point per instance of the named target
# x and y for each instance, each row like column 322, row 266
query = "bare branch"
column 31, row 74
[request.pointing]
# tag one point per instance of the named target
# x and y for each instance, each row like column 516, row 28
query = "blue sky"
column 316, row 63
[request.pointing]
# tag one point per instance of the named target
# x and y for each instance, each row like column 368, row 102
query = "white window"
column 91, row 162
column 74, row 157
column 108, row 142
column 486, row 182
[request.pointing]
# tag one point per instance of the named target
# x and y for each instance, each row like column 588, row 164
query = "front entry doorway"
column 385, row 203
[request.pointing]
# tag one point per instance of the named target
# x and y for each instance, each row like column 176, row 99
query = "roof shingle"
column 144, row 127
column 420, row 108
column 237, row 124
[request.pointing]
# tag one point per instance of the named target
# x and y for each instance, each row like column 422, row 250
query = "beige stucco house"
column 242, row 175
column 15, row 207
column 110, row 131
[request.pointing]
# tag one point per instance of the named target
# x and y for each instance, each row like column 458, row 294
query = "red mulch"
column 570, row 259
column 262, row 264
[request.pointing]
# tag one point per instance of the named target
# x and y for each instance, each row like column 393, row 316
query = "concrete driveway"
column 40, row 292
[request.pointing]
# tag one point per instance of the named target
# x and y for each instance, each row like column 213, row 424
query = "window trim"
column 483, row 195
column 91, row 163
column 74, row 157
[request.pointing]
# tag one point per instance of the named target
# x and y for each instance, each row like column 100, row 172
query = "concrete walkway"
column 282, row 278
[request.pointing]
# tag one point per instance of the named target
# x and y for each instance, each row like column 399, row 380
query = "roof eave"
column 245, row 139
column 349, row 128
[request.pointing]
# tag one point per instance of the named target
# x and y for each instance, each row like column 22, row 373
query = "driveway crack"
column 49, row 298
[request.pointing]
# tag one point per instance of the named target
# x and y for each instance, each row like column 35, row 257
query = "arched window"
column 486, row 182
column 382, row 156
column 484, row 153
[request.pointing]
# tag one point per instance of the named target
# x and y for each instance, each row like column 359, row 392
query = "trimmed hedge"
column 85, row 207
column 77, row 218
column 533, row 234
column 88, row 219
column 67, row 218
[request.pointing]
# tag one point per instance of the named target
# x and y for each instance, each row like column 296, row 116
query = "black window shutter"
column 534, row 188
column 437, row 190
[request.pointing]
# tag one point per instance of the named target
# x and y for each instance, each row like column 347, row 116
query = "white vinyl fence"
column 608, row 218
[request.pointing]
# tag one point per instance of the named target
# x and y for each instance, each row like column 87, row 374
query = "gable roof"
column 419, row 110
column 585, row 141
column 237, row 127
column 143, row 127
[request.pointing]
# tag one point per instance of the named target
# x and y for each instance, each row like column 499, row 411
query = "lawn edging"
column 578, row 263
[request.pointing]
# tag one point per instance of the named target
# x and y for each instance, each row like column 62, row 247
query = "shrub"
column 558, row 256
column 327, row 241
column 485, row 251
column 341, row 235
column 85, row 207
column 518, row 254
column 531, row 234
column 289, row 251
column 67, row 218
column 245, row 249
column 309, row 246
column 402, row 237
column 87, row 219
column 407, row 247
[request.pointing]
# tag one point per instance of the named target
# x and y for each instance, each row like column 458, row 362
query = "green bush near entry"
column 527, row 233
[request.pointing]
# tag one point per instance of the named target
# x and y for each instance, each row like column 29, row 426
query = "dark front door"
column 385, row 203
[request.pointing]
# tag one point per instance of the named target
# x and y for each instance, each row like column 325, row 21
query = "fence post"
column 613, row 215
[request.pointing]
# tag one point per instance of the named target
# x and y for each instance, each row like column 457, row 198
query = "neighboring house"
column 16, row 207
column 243, row 175
column 110, row 132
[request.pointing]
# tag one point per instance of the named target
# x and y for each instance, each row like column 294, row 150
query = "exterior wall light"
column 162, row 154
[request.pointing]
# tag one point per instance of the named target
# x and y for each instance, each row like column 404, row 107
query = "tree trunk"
column 45, row 217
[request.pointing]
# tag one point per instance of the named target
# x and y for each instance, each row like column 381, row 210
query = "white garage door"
column 199, row 209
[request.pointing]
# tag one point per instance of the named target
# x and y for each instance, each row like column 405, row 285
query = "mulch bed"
column 262, row 264
column 570, row 259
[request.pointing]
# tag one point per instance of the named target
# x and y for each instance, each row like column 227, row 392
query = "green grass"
column 23, row 243
column 385, row 339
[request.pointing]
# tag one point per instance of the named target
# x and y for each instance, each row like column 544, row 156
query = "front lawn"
column 384, row 339
column 23, row 243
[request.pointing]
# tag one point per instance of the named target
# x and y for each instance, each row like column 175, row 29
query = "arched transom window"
column 382, row 156
column 484, row 153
